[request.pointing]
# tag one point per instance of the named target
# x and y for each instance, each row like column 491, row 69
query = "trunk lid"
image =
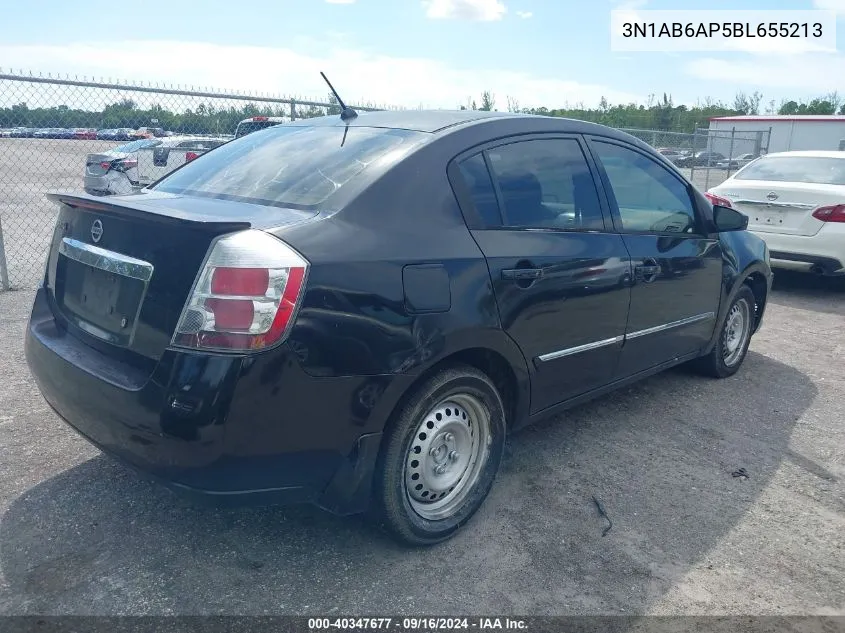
column 120, row 270
column 94, row 162
column 780, row 207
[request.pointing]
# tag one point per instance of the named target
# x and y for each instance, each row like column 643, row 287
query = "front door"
column 677, row 266
column 560, row 277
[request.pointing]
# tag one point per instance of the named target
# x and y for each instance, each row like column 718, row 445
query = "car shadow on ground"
column 97, row 539
column 808, row 291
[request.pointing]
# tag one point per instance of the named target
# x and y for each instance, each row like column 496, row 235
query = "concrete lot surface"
column 80, row 534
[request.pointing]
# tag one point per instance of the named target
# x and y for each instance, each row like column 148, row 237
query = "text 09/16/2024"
column 722, row 31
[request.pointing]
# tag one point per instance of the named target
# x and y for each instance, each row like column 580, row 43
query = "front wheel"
column 440, row 457
column 731, row 348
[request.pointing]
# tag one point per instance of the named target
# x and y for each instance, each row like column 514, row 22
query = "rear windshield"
column 811, row 169
column 247, row 127
column 134, row 146
column 288, row 166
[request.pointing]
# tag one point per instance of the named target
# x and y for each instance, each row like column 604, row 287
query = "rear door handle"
column 519, row 274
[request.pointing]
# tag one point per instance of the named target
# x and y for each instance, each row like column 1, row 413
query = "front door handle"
column 648, row 270
column 521, row 274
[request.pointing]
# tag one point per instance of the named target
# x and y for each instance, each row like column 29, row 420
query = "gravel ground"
column 79, row 534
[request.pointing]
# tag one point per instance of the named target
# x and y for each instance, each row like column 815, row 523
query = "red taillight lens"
column 189, row 156
column 240, row 281
column 260, row 118
column 105, row 165
column 832, row 213
column 231, row 314
column 246, row 296
column 719, row 200
column 125, row 164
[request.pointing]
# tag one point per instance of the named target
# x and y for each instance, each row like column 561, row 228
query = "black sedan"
column 356, row 312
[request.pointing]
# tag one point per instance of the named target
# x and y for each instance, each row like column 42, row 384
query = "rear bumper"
column 221, row 428
column 824, row 251
column 111, row 183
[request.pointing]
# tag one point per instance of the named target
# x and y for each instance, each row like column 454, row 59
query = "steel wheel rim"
column 446, row 456
column 737, row 326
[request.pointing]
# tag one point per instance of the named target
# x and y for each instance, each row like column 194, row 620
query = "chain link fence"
column 63, row 134
column 59, row 133
column 707, row 157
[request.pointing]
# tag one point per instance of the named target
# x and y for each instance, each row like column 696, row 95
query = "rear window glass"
column 248, row 127
column 812, row 169
column 292, row 166
column 134, row 146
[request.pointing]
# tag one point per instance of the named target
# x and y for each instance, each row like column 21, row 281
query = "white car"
column 140, row 163
column 795, row 201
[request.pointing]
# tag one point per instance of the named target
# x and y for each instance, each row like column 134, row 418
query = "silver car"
column 140, row 163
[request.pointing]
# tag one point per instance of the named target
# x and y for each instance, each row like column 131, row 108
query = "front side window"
column 650, row 198
column 546, row 183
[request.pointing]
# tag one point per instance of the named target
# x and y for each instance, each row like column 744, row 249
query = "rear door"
column 560, row 277
column 677, row 265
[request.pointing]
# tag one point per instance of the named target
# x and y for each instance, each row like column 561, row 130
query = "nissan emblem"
column 96, row 231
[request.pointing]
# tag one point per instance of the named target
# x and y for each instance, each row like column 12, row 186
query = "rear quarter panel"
column 357, row 318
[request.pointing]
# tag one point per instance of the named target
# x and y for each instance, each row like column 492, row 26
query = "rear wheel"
column 440, row 457
column 734, row 337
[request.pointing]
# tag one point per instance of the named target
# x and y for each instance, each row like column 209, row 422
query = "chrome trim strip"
column 581, row 348
column 777, row 205
column 106, row 260
column 617, row 339
column 668, row 326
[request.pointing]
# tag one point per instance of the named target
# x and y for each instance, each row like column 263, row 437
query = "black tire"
column 719, row 363
column 393, row 505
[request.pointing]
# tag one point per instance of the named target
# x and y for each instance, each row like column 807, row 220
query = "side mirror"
column 727, row 219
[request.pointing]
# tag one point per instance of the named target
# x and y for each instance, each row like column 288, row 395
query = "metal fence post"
column 4, row 269
column 731, row 150
column 292, row 110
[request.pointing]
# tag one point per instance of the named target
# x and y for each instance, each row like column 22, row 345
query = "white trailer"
column 785, row 132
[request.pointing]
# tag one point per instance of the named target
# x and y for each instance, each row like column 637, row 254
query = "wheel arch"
column 756, row 276
column 493, row 353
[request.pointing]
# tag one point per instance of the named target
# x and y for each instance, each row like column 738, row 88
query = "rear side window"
column 546, row 183
column 812, row 169
column 480, row 187
column 247, row 127
column 135, row 146
column 293, row 166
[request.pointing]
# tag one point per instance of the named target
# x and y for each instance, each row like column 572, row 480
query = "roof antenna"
column 346, row 113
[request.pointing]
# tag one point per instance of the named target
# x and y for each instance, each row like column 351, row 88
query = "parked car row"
column 705, row 158
column 139, row 163
column 246, row 126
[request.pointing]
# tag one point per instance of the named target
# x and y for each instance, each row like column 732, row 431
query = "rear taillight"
column 246, row 295
column 832, row 213
column 119, row 165
column 189, row 156
column 719, row 200
column 124, row 164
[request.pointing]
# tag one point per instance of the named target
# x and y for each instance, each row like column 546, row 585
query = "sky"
column 408, row 53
